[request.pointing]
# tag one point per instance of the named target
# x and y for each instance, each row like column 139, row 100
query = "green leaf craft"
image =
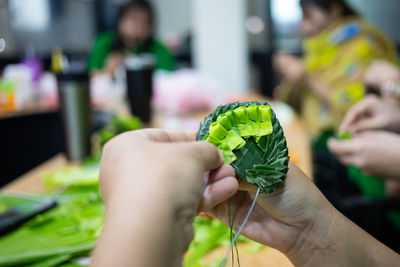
column 252, row 141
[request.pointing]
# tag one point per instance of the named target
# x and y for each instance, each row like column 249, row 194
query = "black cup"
column 139, row 80
column 74, row 98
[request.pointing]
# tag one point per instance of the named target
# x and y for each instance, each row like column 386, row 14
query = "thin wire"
column 234, row 218
column 240, row 229
column 231, row 220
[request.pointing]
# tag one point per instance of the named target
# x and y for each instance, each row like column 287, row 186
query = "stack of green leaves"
column 211, row 234
column 118, row 125
column 252, row 141
column 67, row 231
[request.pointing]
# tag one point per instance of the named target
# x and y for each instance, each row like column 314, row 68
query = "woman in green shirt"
column 135, row 30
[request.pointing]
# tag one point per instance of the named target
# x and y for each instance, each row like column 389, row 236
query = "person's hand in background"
column 371, row 113
column 151, row 183
column 376, row 153
column 379, row 73
column 113, row 62
column 290, row 67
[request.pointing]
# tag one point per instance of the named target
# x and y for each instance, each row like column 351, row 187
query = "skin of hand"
column 151, row 182
column 300, row 222
column 113, row 62
column 377, row 153
column 381, row 72
column 392, row 188
column 372, row 113
column 290, row 67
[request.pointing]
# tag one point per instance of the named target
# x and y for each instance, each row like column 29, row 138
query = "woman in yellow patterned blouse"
column 339, row 47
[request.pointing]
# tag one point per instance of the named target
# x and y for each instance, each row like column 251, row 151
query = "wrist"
column 316, row 244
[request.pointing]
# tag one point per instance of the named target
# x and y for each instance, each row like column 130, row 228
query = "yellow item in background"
column 57, row 60
column 348, row 95
column 7, row 95
column 338, row 58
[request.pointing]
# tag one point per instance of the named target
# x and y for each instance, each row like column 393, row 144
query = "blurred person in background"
column 339, row 47
column 338, row 50
column 373, row 151
column 134, row 36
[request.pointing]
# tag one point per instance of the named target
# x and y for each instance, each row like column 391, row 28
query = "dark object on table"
column 73, row 90
column 16, row 216
column 139, row 81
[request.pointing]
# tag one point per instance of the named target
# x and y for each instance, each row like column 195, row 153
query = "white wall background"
column 220, row 42
column 174, row 17
column 382, row 13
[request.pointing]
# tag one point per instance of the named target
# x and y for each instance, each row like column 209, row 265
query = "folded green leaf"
column 252, row 141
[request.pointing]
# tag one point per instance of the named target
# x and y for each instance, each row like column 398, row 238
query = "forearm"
column 335, row 241
column 138, row 237
column 359, row 248
column 320, row 89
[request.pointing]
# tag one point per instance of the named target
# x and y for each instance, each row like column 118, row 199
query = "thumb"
column 206, row 155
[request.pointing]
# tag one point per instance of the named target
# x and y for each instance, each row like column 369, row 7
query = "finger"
column 222, row 172
column 218, row 192
column 166, row 135
column 206, row 154
column 342, row 148
column 366, row 124
column 357, row 112
column 348, row 160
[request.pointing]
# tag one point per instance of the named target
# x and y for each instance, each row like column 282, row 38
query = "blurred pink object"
column 185, row 91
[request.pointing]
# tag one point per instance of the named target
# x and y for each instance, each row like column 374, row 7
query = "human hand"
column 376, row 153
column 379, row 73
column 295, row 220
column 113, row 62
column 151, row 182
column 300, row 222
column 371, row 113
column 290, row 67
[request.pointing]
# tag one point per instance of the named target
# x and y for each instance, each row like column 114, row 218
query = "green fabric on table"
column 104, row 44
column 370, row 186
column 373, row 187
column 321, row 142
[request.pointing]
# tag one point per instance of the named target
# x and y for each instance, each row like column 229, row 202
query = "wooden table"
column 299, row 147
column 28, row 109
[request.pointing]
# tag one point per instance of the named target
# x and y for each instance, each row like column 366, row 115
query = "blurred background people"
column 372, row 155
column 339, row 47
column 134, row 35
column 323, row 85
